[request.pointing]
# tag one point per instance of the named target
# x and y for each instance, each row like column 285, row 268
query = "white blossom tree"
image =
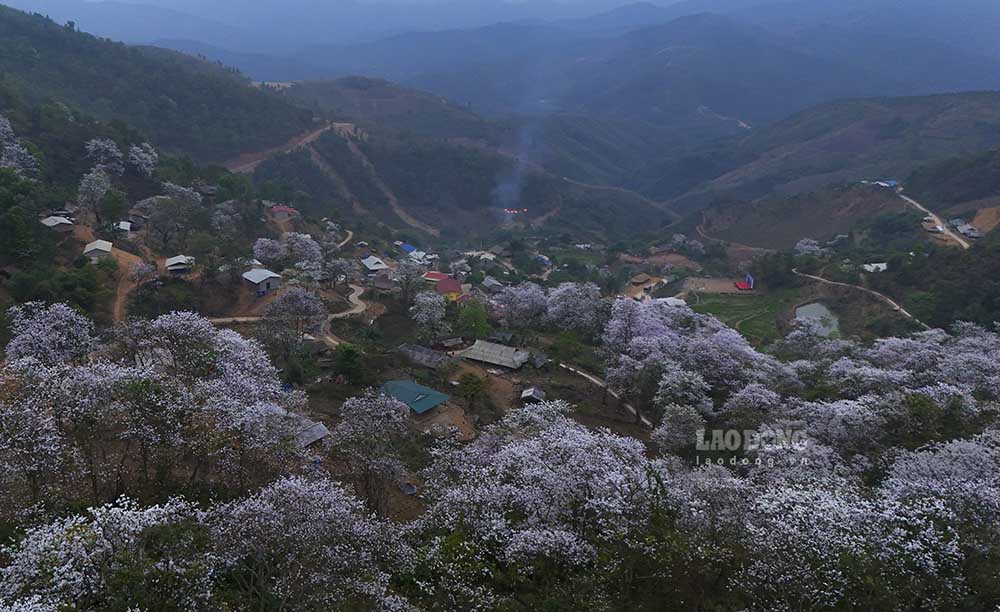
column 304, row 545
column 678, row 428
column 13, row 155
column 534, row 492
column 576, row 307
column 184, row 195
column 369, row 437
column 51, row 334
column 106, row 155
column 295, row 313
column 409, row 276
column 93, row 187
column 81, row 561
column 428, row 313
column 143, row 159
column 523, row 305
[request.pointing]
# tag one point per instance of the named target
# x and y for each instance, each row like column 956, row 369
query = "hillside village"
column 451, row 332
column 276, row 345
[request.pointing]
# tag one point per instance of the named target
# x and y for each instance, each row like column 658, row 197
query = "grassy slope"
column 181, row 103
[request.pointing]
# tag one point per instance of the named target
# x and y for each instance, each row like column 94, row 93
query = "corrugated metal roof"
column 419, row 398
column 259, row 275
column 496, row 354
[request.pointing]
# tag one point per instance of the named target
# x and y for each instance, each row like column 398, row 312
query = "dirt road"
column 125, row 283
column 406, row 217
column 345, row 241
column 937, row 221
column 600, row 383
column 248, row 162
column 358, row 306
column 881, row 296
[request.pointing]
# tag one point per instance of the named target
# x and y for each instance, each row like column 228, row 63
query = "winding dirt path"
column 400, row 212
column 358, row 306
column 248, row 162
column 881, row 296
column 125, row 283
column 937, row 221
column 600, row 383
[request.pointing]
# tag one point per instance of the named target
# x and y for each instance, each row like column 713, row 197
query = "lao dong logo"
column 777, row 442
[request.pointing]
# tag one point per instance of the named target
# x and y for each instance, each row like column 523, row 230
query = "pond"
column 829, row 324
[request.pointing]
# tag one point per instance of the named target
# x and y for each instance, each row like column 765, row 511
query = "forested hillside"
column 181, row 103
column 456, row 187
column 852, row 140
column 959, row 179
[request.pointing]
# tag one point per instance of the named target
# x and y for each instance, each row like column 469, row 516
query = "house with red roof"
column 435, row 277
column 449, row 288
column 282, row 212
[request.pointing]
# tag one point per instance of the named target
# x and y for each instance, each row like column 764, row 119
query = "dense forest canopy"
column 182, row 103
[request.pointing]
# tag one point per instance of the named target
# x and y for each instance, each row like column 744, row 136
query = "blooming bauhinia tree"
column 50, row 334
column 13, row 155
column 428, row 313
column 143, row 159
column 307, row 543
column 93, row 187
column 576, row 307
column 81, row 561
column 295, row 313
column 184, row 195
column 523, row 305
column 535, row 491
column 409, row 276
column 369, row 437
column 106, row 155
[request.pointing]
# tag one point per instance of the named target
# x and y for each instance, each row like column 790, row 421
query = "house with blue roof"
column 419, row 398
column 408, row 248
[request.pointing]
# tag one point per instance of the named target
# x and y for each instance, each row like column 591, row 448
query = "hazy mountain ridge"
column 181, row 103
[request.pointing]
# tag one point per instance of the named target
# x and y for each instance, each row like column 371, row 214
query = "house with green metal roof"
column 419, row 398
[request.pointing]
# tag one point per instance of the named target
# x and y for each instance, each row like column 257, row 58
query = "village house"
column 179, row 264
column 419, row 398
column 435, row 277
column 492, row 285
column 282, row 212
column 124, row 226
column 969, row 231
column 264, row 281
column 532, row 395
column 97, row 250
column 423, row 356
column 58, row 224
column 449, row 288
column 374, row 264
column 875, row 267
column 383, row 283
column 496, row 354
